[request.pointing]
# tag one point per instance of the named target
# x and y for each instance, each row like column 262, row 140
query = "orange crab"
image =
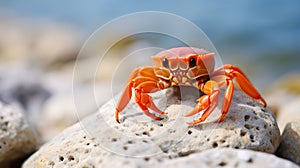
column 186, row 66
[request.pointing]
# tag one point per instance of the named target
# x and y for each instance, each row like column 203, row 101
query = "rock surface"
column 227, row 157
column 17, row 138
column 290, row 142
column 98, row 140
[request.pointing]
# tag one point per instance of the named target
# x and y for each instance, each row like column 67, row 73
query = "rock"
column 288, row 83
column 99, row 141
column 14, row 43
column 227, row 157
column 59, row 111
column 289, row 113
column 290, row 142
column 56, row 44
column 283, row 98
column 25, row 91
column 247, row 125
column 45, row 43
column 17, row 138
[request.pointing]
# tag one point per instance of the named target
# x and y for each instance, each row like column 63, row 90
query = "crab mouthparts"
column 179, row 77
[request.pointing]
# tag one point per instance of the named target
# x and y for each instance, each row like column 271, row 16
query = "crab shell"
column 180, row 67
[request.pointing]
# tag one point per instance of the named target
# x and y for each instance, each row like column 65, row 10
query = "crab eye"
column 165, row 62
column 192, row 62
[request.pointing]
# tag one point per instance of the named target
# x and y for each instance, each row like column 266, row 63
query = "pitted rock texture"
column 17, row 138
column 98, row 140
column 247, row 125
column 290, row 142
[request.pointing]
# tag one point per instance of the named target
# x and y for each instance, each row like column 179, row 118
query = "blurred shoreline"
column 263, row 42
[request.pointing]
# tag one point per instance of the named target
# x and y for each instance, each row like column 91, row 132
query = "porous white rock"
column 227, row 157
column 98, row 140
column 17, row 138
column 290, row 142
column 247, row 125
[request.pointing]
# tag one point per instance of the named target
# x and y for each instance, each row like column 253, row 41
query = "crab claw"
column 206, row 103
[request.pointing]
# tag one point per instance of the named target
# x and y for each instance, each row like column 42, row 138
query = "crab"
column 186, row 66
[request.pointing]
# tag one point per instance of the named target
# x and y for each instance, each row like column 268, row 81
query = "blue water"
column 261, row 33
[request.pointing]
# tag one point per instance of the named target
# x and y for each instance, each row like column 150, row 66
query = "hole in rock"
column 222, row 163
column 51, row 163
column 243, row 133
column 265, row 126
column 246, row 117
column 270, row 132
column 70, row 158
column 247, row 126
column 186, row 153
column 61, row 158
column 145, row 133
column 250, row 160
column 215, row 144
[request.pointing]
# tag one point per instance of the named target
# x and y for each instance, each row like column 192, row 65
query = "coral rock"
column 98, row 140
column 17, row 138
column 290, row 142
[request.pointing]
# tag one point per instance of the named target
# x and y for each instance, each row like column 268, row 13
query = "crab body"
column 186, row 66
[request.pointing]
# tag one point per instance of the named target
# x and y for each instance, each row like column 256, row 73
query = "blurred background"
column 40, row 40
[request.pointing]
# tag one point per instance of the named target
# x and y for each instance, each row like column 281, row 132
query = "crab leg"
column 227, row 100
column 143, row 81
column 141, row 95
column 212, row 101
column 145, row 101
column 225, row 76
column 207, row 102
column 243, row 82
column 124, row 100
